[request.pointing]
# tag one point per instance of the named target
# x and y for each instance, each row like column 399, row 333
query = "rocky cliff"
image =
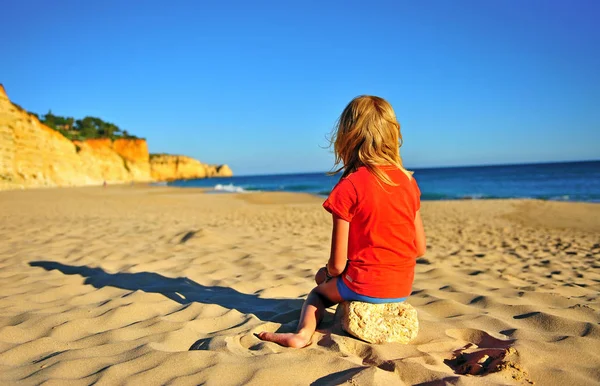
column 34, row 155
column 118, row 160
column 167, row 167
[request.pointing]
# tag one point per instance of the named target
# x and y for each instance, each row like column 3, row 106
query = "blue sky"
column 259, row 84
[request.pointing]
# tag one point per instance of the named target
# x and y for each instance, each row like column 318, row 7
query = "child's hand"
column 321, row 276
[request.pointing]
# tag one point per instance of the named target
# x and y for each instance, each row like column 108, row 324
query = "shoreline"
column 212, row 191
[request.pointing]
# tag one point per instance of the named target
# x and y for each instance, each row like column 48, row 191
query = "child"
column 377, row 229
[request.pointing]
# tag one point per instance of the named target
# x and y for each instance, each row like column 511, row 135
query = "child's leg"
column 324, row 295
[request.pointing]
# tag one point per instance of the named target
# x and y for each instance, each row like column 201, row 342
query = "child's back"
column 381, row 242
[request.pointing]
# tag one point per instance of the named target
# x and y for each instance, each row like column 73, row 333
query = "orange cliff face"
column 134, row 150
column 34, row 155
column 120, row 160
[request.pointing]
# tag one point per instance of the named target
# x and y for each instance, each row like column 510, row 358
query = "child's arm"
column 420, row 235
column 339, row 246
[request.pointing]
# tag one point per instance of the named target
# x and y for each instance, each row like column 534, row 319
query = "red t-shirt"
column 381, row 243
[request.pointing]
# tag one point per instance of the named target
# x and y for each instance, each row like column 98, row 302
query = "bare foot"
column 287, row 339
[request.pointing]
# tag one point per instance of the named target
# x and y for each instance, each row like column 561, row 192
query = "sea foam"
column 231, row 188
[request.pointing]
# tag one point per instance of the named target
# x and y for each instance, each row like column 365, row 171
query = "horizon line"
column 435, row 167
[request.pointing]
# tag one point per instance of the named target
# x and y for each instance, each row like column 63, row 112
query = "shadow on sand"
column 184, row 291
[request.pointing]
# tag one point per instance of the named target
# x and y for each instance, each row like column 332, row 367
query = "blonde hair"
column 367, row 134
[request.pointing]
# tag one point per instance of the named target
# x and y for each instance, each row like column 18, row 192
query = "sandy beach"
column 155, row 285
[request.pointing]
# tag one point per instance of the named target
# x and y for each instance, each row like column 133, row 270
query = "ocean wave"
column 230, row 188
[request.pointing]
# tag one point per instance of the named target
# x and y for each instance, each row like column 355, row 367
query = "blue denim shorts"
column 349, row 295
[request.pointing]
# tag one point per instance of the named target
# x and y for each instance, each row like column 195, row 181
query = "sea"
column 565, row 181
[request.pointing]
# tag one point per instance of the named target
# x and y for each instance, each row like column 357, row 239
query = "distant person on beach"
column 377, row 228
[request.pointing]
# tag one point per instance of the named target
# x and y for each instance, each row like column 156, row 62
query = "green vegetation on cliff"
column 82, row 129
column 156, row 155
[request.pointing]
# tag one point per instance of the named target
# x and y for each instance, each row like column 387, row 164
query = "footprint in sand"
column 484, row 355
column 243, row 345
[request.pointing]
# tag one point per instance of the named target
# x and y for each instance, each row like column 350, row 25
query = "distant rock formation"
column 218, row 171
column 34, row 155
column 166, row 167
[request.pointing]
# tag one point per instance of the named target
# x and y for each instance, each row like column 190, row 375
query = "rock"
column 136, row 157
column 100, row 162
column 379, row 323
column 132, row 149
column 32, row 154
column 218, row 171
column 166, row 167
column 224, row 171
column 210, row 170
